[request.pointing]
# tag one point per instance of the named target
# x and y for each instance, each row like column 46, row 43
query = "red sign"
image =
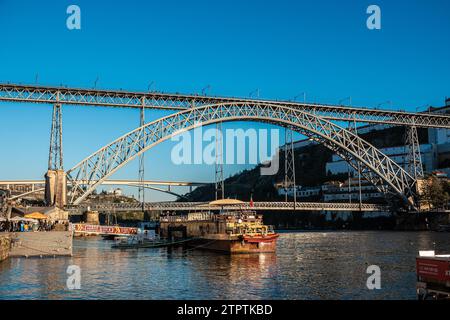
column 103, row 230
column 433, row 269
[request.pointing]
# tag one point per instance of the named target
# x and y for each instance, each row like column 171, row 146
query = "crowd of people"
column 26, row 226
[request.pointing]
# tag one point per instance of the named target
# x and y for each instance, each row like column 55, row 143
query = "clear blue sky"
column 281, row 47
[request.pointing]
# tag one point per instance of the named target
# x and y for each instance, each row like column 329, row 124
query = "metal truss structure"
column 259, row 206
column 312, row 120
column 141, row 191
column 28, row 187
column 376, row 167
column 413, row 157
column 219, row 180
column 289, row 164
column 87, row 97
column 34, row 183
column 55, row 159
column 355, row 130
column 168, row 191
column 26, row 194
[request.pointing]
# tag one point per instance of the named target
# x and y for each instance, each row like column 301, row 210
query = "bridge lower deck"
column 204, row 206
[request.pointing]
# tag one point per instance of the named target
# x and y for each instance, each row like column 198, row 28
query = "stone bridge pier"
column 56, row 188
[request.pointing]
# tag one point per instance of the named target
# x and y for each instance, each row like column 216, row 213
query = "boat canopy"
column 17, row 219
column 37, row 216
column 226, row 202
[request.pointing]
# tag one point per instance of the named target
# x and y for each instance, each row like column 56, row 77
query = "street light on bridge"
column 150, row 86
column 342, row 100
column 386, row 102
column 255, row 91
column 95, row 82
column 301, row 94
column 208, row 87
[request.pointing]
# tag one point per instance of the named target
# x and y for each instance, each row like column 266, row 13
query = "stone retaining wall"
column 5, row 243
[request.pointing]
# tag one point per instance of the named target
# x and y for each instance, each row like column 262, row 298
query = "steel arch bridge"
column 375, row 166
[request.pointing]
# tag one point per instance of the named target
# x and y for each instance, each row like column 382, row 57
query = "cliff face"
column 240, row 186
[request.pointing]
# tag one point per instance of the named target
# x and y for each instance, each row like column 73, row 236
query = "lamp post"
column 95, row 82
column 347, row 98
column 304, row 96
column 255, row 91
column 386, row 102
column 150, row 86
column 204, row 90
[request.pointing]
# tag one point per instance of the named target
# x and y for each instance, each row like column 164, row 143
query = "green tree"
column 437, row 192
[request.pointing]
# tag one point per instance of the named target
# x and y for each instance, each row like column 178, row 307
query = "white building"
column 303, row 193
column 349, row 192
column 429, row 154
column 116, row 192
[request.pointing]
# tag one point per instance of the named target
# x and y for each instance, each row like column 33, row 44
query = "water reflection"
column 330, row 265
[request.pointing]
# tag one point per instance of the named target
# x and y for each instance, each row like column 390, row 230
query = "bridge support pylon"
column 219, row 181
column 55, row 178
column 413, row 156
column 289, row 165
column 141, row 194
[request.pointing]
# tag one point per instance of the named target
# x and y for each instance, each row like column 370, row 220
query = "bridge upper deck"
column 167, row 101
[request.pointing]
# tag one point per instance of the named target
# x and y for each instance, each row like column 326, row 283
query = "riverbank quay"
column 5, row 244
column 423, row 221
column 41, row 244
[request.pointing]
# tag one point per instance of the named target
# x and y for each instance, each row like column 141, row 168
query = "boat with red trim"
column 235, row 229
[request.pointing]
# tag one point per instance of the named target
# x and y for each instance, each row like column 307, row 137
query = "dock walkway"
column 41, row 244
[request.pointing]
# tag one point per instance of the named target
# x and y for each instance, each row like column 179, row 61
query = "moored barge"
column 230, row 231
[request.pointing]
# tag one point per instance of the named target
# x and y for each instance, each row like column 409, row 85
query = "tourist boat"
column 258, row 238
column 236, row 229
column 433, row 276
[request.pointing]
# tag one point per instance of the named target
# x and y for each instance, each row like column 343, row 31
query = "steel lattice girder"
column 52, row 95
column 376, row 166
column 272, row 206
column 55, row 160
column 413, row 156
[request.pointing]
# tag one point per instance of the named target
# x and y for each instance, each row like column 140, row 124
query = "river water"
column 307, row 265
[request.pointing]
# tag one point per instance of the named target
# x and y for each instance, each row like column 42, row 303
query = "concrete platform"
column 41, row 244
